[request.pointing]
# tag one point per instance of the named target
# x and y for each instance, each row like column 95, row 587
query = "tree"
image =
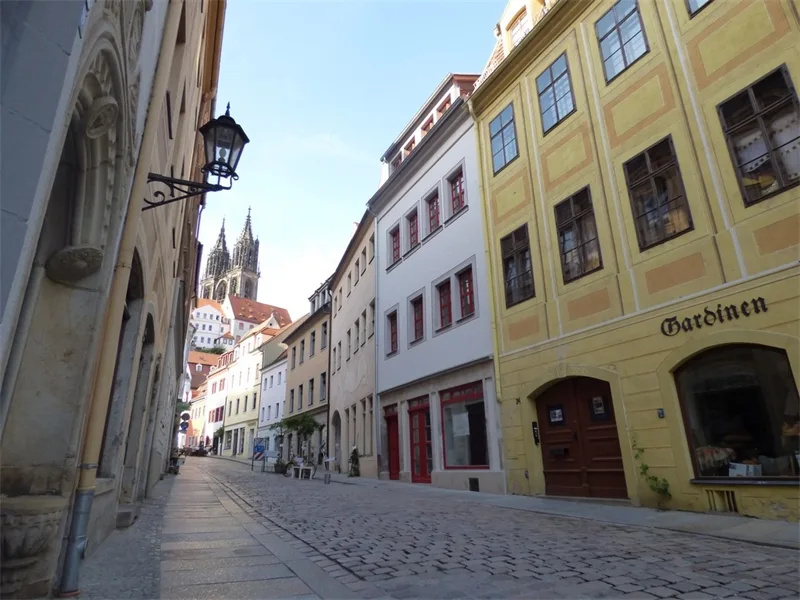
column 303, row 425
column 215, row 350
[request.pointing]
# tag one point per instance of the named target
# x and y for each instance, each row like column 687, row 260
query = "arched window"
column 248, row 289
column 742, row 413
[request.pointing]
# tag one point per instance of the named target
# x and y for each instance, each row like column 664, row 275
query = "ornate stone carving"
column 73, row 263
column 134, row 41
column 29, row 526
column 133, row 103
column 101, row 117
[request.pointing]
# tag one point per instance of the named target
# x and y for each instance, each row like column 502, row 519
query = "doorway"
column 580, row 445
column 393, row 439
column 419, row 415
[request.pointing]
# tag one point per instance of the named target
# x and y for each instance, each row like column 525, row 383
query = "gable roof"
column 201, row 302
column 203, row 358
column 251, row 311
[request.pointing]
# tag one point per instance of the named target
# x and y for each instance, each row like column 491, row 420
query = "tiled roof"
column 251, row 311
column 203, row 358
column 201, row 302
column 498, row 54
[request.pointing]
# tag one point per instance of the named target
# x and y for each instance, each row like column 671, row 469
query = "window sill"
column 468, row 468
column 666, row 239
column 393, row 353
column 466, row 318
column 356, row 350
column 371, row 334
column 444, row 327
column 736, row 481
column 416, row 342
column 432, row 234
column 411, row 251
column 392, row 266
column 455, row 216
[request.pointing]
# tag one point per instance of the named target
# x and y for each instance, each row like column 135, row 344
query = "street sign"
column 258, row 451
column 184, row 425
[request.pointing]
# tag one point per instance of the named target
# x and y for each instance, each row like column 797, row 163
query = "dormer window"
column 443, row 107
column 427, row 126
column 396, row 162
column 520, row 27
column 409, row 147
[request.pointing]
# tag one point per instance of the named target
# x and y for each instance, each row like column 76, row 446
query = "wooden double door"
column 580, row 444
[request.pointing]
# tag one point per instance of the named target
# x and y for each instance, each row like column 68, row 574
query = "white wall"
column 273, row 395
column 209, row 324
column 455, row 243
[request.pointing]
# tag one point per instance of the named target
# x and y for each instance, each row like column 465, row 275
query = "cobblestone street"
column 367, row 541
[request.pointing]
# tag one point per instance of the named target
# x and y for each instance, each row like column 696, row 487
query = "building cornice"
column 557, row 20
column 363, row 227
column 438, row 137
column 312, row 319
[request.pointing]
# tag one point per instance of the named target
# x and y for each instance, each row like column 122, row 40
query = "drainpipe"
column 87, row 481
column 376, row 412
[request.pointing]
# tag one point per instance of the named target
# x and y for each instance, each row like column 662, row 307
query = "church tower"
column 235, row 275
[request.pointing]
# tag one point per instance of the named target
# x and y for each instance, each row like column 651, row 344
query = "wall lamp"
column 223, row 142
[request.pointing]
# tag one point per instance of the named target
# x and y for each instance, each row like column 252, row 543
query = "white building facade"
column 216, row 391
column 210, row 323
column 273, row 395
column 439, row 420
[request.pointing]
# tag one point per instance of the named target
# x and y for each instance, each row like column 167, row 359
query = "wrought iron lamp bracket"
column 185, row 188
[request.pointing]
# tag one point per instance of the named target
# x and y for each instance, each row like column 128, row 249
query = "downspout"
column 376, row 420
column 87, row 480
column 326, row 455
column 490, row 273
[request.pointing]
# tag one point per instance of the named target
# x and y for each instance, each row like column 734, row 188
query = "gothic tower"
column 237, row 275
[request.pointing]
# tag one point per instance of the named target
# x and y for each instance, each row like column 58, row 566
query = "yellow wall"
column 606, row 324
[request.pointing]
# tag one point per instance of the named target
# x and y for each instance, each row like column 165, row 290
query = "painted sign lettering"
column 709, row 317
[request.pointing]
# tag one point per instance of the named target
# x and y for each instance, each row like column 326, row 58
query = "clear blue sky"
column 322, row 89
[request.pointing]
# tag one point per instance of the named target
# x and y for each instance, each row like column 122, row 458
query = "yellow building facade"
column 639, row 170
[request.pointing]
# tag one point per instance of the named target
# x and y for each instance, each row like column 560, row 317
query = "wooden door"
column 421, row 450
column 393, row 435
column 580, row 444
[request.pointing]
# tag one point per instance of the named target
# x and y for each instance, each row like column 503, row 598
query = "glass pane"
column 783, row 126
column 614, row 65
column 498, row 161
column 636, row 168
column 759, row 178
column 623, row 8
column 563, row 212
column 648, row 228
column 643, row 198
column 660, row 155
column 668, row 185
column 549, row 118
column 562, row 86
column 494, row 126
column 560, row 65
column 737, row 109
column 565, row 105
column 591, row 256
column 676, row 217
column 610, row 45
column 547, row 99
column 630, row 27
column 507, row 115
column 605, row 24
column 511, row 150
column 635, row 48
column 770, row 89
column 416, row 460
column 695, row 5
column 543, row 80
column 572, row 264
column 567, row 240
column 581, row 201
column 497, row 143
column 587, row 228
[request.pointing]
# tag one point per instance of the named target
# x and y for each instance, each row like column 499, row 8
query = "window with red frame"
column 457, row 191
column 394, row 236
column 467, row 293
column 433, row 213
column 419, row 327
column 464, row 427
column 413, row 230
column 214, row 388
column 392, row 332
column 445, row 308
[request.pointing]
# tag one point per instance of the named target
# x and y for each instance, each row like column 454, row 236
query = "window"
column 312, row 345
column 409, row 147
column 349, row 283
column 241, row 325
column 299, row 397
column 333, row 362
column 577, row 236
column 443, row 107
column 213, row 388
column 357, row 269
column 324, row 335
column 348, row 344
column 660, row 210
column 445, row 310
column 621, row 36
column 413, row 230
column 392, row 323
column 237, row 405
column 339, row 362
column 694, row 6
column 464, row 419
column 427, row 126
column 741, row 409
column 254, row 401
column 517, row 271
column 363, row 260
column 302, row 351
column 371, row 247
column 457, row 191
column 279, row 377
column 291, row 401
column 503, row 139
column 419, row 316
column 335, row 307
column 433, row 213
column 323, row 386
column 310, row 392
column 762, row 124
column 394, row 239
column 269, row 412
column 357, row 330
column 555, row 93
column 294, row 356
column 372, row 317
column 467, row 293
column 363, row 327
column 520, row 27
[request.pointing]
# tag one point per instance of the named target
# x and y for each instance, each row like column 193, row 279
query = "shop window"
column 620, row 33
column 658, row 200
column 741, row 409
column 577, row 236
column 762, row 124
column 555, row 93
column 517, row 271
column 503, row 136
column 464, row 424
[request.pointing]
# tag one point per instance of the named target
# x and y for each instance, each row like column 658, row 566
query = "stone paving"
column 402, row 543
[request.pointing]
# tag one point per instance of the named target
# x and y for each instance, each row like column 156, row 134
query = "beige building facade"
column 352, row 370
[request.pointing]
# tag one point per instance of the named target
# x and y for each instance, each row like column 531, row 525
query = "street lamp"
column 223, row 142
